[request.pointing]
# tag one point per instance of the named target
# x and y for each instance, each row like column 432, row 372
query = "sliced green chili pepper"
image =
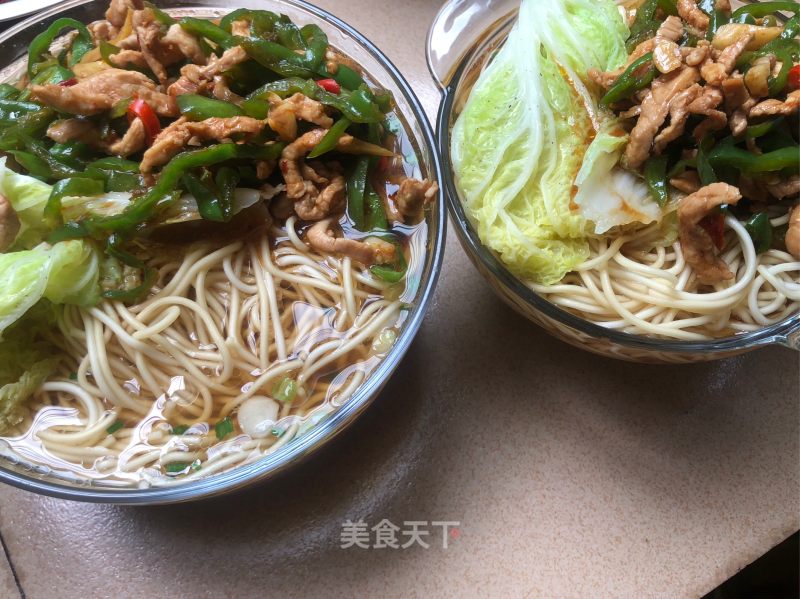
column 760, row 130
column 277, row 58
column 144, row 207
column 670, row 7
column 760, row 231
column 227, row 180
column 347, row 77
column 35, row 166
column 200, row 108
column 644, row 23
column 704, row 168
column 762, row 9
column 13, row 110
column 117, row 173
column 747, row 19
column 392, row 273
column 41, row 43
column 317, row 44
column 629, row 83
column 52, row 74
column 375, row 211
column 162, row 17
column 74, row 154
column 207, row 29
column 60, row 169
column 107, row 50
column 148, row 274
column 32, row 124
column 74, row 187
column 356, row 106
column 779, row 81
column 8, row 92
column 289, row 34
column 655, row 174
column 261, row 21
column 717, row 20
column 743, row 160
column 208, row 203
column 331, row 138
column 356, row 190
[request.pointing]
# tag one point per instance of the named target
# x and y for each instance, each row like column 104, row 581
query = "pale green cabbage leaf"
column 526, row 129
column 28, row 197
column 65, row 273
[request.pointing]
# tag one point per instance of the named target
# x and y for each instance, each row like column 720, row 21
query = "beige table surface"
column 571, row 475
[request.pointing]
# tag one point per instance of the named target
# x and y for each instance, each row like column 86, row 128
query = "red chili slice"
column 140, row 109
column 794, row 77
column 714, row 225
column 69, row 82
column 330, row 85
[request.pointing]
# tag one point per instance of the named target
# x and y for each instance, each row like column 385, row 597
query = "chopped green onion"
column 115, row 427
column 223, row 428
column 180, row 429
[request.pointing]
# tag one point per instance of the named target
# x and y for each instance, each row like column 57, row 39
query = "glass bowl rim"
column 293, row 453
column 778, row 333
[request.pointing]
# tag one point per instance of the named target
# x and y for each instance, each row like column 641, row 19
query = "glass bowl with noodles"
column 220, row 227
column 626, row 174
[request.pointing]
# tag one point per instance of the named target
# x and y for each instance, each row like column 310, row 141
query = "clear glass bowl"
column 461, row 40
column 13, row 47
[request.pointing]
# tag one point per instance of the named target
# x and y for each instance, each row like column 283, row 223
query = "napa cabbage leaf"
column 526, row 131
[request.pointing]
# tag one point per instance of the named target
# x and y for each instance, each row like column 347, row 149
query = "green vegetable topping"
column 223, row 428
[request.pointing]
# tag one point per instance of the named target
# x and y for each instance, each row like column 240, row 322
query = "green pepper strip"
column 356, row 188
column 760, row 231
column 31, row 124
column 60, row 169
column 777, row 83
column 74, row 154
column 629, row 83
column 655, row 174
column 13, row 110
column 743, row 160
column 149, row 278
column 207, row 29
column 289, row 34
column 8, row 92
column 261, row 21
column 162, row 17
column 395, row 273
column 227, row 180
column 704, row 168
column 200, row 108
column 760, row 130
column 41, row 43
column 643, row 24
column 762, row 9
column 348, row 78
column 35, row 166
column 717, row 20
column 277, row 58
column 331, row 138
column 317, row 44
column 52, row 74
column 376, row 213
column 143, row 208
column 356, row 106
column 670, row 7
column 118, row 174
column 77, row 187
column 208, row 203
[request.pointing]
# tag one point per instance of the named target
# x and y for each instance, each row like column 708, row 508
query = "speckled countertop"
column 571, row 475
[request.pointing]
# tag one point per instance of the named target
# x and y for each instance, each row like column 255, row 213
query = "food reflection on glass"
column 637, row 164
column 212, row 232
